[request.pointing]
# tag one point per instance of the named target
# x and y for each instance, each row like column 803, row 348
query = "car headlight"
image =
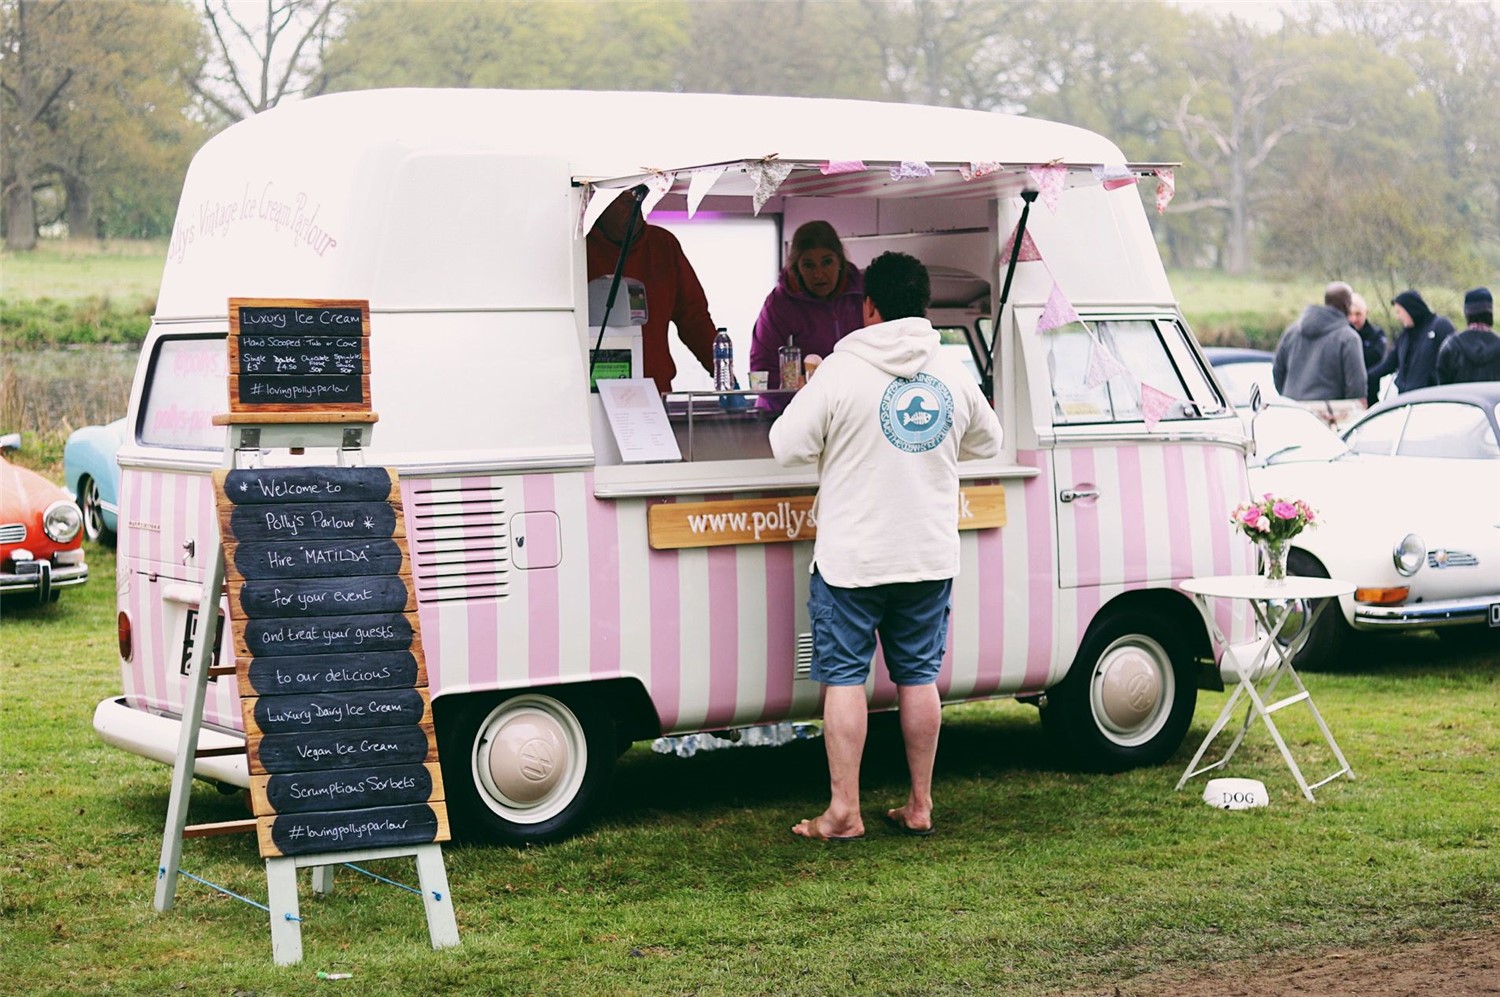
column 62, row 521
column 1410, row 554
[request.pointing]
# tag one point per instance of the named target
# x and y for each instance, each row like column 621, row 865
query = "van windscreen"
column 187, row 385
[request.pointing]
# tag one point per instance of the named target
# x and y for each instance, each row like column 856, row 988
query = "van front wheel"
column 1129, row 697
column 527, row 769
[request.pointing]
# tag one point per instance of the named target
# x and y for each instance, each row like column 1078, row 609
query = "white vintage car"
column 1408, row 503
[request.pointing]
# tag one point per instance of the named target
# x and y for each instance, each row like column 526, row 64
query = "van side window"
column 187, row 384
column 1080, row 353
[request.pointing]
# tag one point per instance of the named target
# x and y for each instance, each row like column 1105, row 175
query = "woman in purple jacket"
column 817, row 300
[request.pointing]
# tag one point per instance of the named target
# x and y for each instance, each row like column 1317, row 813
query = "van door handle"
column 1074, row 494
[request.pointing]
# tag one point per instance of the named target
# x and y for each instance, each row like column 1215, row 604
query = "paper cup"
column 760, row 380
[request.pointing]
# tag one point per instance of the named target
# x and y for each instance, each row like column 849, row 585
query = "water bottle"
column 723, row 361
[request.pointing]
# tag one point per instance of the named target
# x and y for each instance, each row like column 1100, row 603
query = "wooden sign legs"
column 286, row 925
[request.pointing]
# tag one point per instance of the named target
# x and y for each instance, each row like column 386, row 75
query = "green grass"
column 124, row 271
column 1038, row 880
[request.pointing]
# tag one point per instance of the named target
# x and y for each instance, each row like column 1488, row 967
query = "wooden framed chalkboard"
column 299, row 355
column 328, row 650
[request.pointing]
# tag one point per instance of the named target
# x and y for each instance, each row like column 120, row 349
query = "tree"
column 95, row 101
column 261, row 60
column 778, row 48
column 524, row 44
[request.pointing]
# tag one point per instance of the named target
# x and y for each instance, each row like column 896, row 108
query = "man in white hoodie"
column 887, row 419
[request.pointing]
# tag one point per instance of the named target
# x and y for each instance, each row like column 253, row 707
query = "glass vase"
column 1273, row 555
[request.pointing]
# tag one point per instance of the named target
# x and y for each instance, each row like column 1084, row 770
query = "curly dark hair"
column 898, row 286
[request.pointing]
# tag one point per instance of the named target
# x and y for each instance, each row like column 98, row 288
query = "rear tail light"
column 1382, row 597
column 122, row 630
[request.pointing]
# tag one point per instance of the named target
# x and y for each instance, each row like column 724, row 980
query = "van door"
column 1144, row 453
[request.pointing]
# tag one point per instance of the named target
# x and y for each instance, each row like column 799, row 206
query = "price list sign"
column 333, row 684
column 299, row 355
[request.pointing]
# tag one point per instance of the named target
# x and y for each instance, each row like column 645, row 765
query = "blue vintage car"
column 92, row 473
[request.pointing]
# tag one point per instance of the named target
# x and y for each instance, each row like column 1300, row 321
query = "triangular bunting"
column 1029, row 252
column 601, row 198
column 1058, row 311
column 1050, row 181
column 911, row 170
column 699, row 184
column 841, row 166
column 768, row 175
column 657, row 186
column 976, row 170
column 1114, row 175
column 1103, row 365
column 1166, row 186
column 1154, row 405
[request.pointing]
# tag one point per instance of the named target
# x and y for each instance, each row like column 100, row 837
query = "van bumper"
column 155, row 737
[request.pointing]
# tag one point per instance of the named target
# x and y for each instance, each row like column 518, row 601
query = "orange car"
column 41, row 533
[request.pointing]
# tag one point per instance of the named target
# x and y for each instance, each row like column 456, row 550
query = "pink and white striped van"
column 573, row 598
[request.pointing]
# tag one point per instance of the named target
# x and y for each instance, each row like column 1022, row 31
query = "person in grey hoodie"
column 886, row 418
column 1320, row 356
column 1474, row 354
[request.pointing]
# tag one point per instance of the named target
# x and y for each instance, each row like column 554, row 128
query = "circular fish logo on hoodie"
column 916, row 414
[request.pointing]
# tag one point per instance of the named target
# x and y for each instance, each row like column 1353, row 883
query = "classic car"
column 91, row 472
column 1408, row 505
column 41, row 533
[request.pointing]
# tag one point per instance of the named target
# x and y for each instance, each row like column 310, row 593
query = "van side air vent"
column 459, row 542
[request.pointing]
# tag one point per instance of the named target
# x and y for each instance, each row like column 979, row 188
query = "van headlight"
column 62, row 521
column 1410, row 554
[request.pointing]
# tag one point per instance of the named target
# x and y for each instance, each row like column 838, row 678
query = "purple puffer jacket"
column 815, row 324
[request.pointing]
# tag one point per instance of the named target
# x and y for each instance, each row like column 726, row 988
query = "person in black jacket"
column 1414, row 360
column 1474, row 354
column 1371, row 336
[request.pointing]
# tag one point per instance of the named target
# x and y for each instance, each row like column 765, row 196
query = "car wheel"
column 93, row 513
column 526, row 769
column 1129, row 697
column 1329, row 639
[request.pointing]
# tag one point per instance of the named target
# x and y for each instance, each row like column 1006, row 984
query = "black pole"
column 1010, row 271
column 638, row 193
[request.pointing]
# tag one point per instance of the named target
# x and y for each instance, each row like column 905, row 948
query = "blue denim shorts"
column 911, row 619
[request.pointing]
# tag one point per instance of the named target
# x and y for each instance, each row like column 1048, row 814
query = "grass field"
column 125, row 272
column 1038, row 880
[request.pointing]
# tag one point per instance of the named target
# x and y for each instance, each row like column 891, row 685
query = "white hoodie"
column 887, row 418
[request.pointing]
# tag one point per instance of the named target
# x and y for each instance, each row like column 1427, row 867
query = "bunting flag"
column 657, row 186
column 1058, row 311
column 1154, row 405
column 1114, row 175
column 976, row 170
column 841, row 166
column 699, row 184
column 601, row 198
column 768, row 175
column 1166, row 186
column 1029, row 252
column 1103, row 365
column 1050, row 181
column 911, row 170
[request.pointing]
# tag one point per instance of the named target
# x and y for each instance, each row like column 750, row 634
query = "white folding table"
column 1258, row 678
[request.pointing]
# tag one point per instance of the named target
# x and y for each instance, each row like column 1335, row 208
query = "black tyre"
column 1129, row 697
column 528, row 768
column 93, row 512
column 1329, row 640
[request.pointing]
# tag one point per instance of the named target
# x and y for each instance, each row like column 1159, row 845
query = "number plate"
column 187, row 643
column 1495, row 614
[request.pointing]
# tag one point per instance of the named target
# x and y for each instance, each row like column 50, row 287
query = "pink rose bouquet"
column 1272, row 519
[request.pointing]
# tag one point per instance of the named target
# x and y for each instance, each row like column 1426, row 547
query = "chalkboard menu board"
column 333, row 685
column 299, row 355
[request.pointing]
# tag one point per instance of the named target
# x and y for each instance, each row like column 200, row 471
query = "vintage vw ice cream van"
column 574, row 597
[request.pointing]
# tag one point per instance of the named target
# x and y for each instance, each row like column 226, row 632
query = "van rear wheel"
column 1129, row 697
column 527, row 769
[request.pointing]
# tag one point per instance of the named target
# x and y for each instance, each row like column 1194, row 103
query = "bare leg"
column 845, row 720
column 921, row 718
